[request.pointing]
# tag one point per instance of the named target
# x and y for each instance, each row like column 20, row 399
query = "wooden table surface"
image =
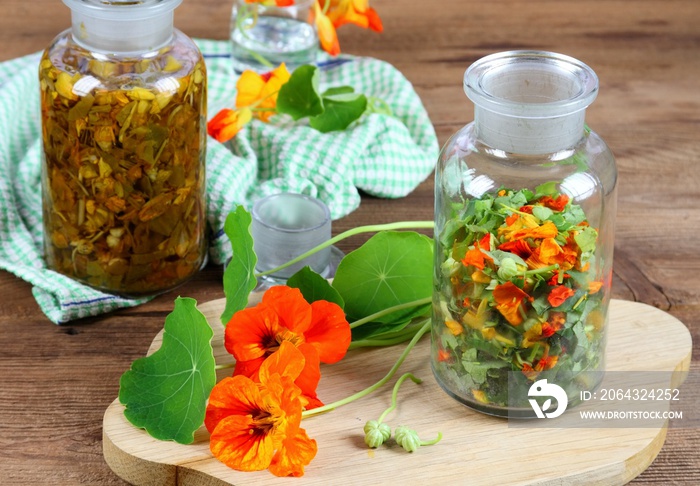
column 56, row 381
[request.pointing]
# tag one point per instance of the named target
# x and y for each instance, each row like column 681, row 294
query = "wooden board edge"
column 133, row 469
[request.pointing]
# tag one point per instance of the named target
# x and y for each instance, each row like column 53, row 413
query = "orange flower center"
column 264, row 423
column 272, row 342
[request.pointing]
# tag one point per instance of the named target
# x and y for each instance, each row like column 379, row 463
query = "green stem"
column 395, row 393
column 261, row 59
column 346, row 234
column 224, row 366
column 367, row 391
column 397, row 338
column 389, row 310
column 240, row 25
column 514, row 210
column 542, row 270
column 432, row 442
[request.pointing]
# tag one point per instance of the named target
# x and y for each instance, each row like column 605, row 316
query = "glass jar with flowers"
column 524, row 211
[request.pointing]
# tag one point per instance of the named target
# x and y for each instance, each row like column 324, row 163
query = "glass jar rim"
column 531, row 84
column 278, row 198
column 122, row 9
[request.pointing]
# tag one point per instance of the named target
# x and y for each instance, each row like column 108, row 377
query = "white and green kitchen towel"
column 385, row 156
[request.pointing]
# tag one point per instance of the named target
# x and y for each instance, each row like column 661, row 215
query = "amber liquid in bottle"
column 123, row 177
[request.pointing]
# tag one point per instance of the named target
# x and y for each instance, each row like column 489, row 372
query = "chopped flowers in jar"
column 519, row 293
column 124, row 167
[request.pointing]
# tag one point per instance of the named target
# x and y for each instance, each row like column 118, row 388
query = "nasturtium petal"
column 286, row 361
column 288, row 304
column 235, row 443
column 329, row 332
column 166, row 392
column 239, row 276
column 391, row 268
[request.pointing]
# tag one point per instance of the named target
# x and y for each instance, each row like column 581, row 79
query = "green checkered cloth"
column 385, row 156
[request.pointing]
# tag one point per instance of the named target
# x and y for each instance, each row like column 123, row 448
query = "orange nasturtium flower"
column 227, row 123
column 475, row 256
column 595, row 286
column 547, row 230
column 329, row 15
column 326, row 31
column 550, row 252
column 509, row 297
column 517, row 247
column 545, row 363
column 559, row 294
column 515, row 223
column 255, row 426
column 319, row 330
column 357, row 12
column 443, row 355
column 557, row 204
column 256, row 97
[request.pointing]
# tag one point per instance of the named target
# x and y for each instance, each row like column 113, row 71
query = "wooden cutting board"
column 476, row 449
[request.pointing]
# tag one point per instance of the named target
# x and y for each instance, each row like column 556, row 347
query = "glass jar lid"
column 122, row 26
column 531, row 84
column 530, row 102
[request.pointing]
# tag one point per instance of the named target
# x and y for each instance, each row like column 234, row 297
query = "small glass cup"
column 263, row 35
column 287, row 225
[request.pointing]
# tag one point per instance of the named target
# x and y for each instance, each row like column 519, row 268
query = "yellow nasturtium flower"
column 260, row 91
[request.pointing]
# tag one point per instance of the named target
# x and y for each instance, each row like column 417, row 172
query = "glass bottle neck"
column 528, row 136
column 122, row 27
column 530, row 102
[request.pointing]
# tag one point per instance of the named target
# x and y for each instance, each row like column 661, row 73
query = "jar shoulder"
column 179, row 58
column 465, row 152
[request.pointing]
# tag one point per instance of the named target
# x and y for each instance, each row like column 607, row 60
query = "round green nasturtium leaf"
column 339, row 112
column 166, row 393
column 299, row 97
column 391, row 268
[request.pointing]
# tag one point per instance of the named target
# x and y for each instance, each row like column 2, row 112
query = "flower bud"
column 407, row 438
column 508, row 269
column 376, row 434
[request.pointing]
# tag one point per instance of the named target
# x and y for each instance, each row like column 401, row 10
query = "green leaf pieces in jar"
column 166, row 392
column 519, row 291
